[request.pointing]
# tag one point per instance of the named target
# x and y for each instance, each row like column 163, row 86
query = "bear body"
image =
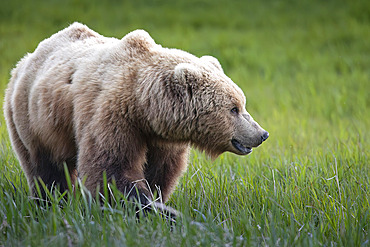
column 126, row 107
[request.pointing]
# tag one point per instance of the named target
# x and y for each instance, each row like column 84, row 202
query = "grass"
column 304, row 66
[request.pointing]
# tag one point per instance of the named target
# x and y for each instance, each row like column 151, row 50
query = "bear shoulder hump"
column 78, row 31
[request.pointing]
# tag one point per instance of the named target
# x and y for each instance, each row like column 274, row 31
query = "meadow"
column 305, row 69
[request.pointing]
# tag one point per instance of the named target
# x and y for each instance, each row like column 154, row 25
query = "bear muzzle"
column 243, row 149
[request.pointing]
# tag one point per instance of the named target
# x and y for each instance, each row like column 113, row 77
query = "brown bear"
column 128, row 108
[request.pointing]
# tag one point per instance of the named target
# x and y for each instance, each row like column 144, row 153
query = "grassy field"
column 305, row 68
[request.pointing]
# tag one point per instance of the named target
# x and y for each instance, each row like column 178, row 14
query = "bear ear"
column 213, row 61
column 139, row 40
column 186, row 71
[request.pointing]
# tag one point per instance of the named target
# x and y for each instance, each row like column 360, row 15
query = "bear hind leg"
column 50, row 172
column 20, row 149
column 34, row 160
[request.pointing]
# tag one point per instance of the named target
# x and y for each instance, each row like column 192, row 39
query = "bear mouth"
column 242, row 149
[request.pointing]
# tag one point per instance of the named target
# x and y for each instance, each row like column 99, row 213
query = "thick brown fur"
column 128, row 107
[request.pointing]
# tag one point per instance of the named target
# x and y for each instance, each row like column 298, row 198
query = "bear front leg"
column 165, row 164
column 120, row 161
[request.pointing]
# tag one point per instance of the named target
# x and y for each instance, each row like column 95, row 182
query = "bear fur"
column 128, row 108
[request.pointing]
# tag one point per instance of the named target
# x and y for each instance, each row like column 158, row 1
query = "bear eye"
column 235, row 110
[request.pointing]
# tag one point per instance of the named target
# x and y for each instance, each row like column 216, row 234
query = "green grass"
column 305, row 68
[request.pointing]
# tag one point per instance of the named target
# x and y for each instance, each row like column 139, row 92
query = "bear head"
column 186, row 98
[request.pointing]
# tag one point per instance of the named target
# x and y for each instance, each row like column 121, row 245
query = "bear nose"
column 264, row 136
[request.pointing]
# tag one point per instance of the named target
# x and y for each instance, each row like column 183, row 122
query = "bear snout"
column 264, row 136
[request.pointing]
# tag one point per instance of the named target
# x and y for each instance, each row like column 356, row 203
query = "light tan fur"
column 129, row 108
